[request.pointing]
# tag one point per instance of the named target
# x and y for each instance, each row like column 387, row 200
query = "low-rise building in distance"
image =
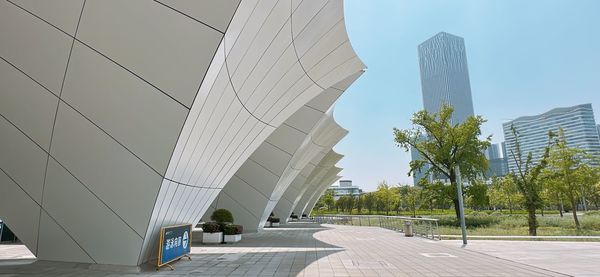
column 345, row 188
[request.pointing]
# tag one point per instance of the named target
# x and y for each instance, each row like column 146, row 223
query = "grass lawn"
column 516, row 225
column 504, row 224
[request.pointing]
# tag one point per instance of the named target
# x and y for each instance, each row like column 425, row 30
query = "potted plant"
column 275, row 221
column 222, row 216
column 293, row 216
column 211, row 233
column 233, row 233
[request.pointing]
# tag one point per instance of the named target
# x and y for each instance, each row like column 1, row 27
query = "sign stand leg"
column 169, row 265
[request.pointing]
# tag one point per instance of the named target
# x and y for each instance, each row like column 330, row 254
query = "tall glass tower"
column 445, row 75
column 444, row 79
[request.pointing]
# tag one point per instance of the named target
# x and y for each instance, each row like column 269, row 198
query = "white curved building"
column 119, row 117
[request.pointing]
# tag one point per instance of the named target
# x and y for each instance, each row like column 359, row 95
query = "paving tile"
column 305, row 249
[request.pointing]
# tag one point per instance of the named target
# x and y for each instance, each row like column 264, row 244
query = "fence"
column 424, row 227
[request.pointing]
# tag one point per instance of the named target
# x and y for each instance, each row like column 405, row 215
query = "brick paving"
column 302, row 249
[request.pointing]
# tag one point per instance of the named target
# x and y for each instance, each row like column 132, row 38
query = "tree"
column 359, row 204
column 527, row 178
column 567, row 167
column 327, row 200
column 595, row 192
column 350, row 203
column 341, row 203
column 444, row 146
column 411, row 196
column 552, row 191
column 477, row 194
column 504, row 193
column 369, row 200
column 385, row 197
column 435, row 194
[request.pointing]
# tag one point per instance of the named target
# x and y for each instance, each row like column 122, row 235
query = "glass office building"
column 345, row 188
column 445, row 75
column 444, row 80
column 577, row 122
column 498, row 165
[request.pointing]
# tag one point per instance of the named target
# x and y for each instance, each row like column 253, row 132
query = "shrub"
column 233, row 229
column 512, row 222
column 222, row 216
column 591, row 223
column 496, row 213
column 470, row 221
column 478, row 213
column 275, row 220
column 592, row 213
column 211, row 227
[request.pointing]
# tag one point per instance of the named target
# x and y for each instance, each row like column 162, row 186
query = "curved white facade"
column 122, row 117
column 301, row 189
column 268, row 172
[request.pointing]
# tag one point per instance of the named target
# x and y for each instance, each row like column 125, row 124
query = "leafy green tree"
column 589, row 179
column 567, row 166
column 385, row 197
column 327, row 200
column 444, row 145
column 527, row 178
column 477, row 195
column 552, row 191
column 411, row 196
column 433, row 194
column 369, row 200
column 595, row 192
column 359, row 203
column 341, row 203
column 503, row 192
column 350, row 203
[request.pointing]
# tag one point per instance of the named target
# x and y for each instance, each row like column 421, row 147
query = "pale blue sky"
column 525, row 57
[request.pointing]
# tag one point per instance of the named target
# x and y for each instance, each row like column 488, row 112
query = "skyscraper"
column 577, row 122
column 497, row 163
column 444, row 80
column 445, row 75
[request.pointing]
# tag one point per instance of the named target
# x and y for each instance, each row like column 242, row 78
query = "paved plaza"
column 303, row 249
column 572, row 258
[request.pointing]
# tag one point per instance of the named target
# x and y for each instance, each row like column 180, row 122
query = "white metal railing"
column 424, row 227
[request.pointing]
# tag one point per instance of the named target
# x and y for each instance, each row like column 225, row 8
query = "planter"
column 212, row 237
column 233, row 238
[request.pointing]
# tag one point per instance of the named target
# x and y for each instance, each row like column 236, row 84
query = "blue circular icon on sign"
column 185, row 239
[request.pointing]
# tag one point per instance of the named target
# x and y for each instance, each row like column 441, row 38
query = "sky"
column 524, row 58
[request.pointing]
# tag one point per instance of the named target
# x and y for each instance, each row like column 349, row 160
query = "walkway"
column 311, row 250
column 572, row 258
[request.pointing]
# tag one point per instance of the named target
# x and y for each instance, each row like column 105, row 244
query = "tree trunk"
column 532, row 221
column 455, row 193
column 574, row 204
column 431, row 207
column 562, row 208
column 583, row 201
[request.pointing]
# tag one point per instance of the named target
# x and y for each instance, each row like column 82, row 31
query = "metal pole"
column 461, row 208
